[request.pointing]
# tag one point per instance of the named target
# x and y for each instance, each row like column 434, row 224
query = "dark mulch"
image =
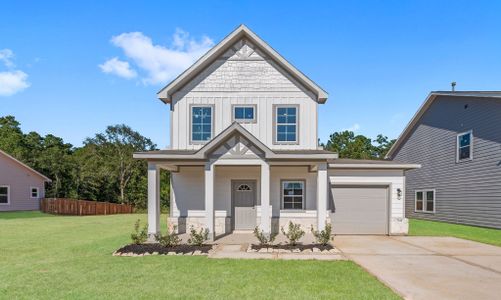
column 143, row 248
column 298, row 246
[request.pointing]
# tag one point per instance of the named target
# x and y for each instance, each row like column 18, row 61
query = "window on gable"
column 244, row 113
column 293, row 194
column 464, row 146
column 425, row 201
column 201, row 123
column 34, row 192
column 286, row 124
column 4, row 194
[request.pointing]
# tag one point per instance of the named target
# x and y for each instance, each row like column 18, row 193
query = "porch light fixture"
column 399, row 193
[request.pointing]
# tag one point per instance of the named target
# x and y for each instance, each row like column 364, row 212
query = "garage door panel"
column 360, row 210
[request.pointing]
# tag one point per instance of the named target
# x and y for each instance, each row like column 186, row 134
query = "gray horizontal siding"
column 467, row 192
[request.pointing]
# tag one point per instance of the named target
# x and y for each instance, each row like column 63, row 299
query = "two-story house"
column 244, row 152
column 456, row 137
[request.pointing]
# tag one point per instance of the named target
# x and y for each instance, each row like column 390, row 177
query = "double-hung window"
column 464, row 149
column 244, row 113
column 293, row 194
column 286, row 130
column 425, row 201
column 4, row 194
column 34, row 192
column 201, row 123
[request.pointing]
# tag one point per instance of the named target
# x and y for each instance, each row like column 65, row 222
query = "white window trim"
column 303, row 204
column 31, row 192
column 196, row 142
column 425, row 200
column 253, row 106
column 8, row 194
column 275, row 124
column 458, row 143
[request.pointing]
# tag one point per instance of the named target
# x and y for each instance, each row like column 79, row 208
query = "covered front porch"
column 236, row 195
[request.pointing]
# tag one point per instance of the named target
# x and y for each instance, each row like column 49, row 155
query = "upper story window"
column 244, row 113
column 425, row 201
column 293, row 194
column 201, row 123
column 34, row 192
column 4, row 194
column 286, row 119
column 464, row 149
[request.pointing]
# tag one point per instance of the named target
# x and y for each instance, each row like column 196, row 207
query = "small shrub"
column 198, row 238
column 323, row 236
column 139, row 236
column 264, row 239
column 294, row 233
column 171, row 239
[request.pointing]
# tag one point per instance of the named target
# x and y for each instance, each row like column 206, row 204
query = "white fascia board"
column 375, row 166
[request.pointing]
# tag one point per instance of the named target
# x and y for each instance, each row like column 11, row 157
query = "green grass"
column 478, row 234
column 70, row 257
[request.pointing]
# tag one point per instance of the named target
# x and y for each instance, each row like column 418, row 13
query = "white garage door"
column 360, row 210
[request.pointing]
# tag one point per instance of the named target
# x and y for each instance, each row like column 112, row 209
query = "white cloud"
column 12, row 82
column 5, row 57
column 118, row 67
column 354, row 127
column 161, row 63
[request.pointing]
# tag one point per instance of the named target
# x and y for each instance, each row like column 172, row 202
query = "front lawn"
column 70, row 257
column 478, row 234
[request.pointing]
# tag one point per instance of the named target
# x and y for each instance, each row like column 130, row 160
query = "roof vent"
column 453, row 85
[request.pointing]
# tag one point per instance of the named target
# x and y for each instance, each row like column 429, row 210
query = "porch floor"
column 241, row 238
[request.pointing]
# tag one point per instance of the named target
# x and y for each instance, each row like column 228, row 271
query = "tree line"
column 103, row 168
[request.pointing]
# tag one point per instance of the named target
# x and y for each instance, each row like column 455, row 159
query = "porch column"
column 153, row 200
column 265, row 224
column 209, row 199
column 321, row 196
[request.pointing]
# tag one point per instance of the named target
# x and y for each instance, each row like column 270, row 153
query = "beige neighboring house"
column 244, row 152
column 21, row 187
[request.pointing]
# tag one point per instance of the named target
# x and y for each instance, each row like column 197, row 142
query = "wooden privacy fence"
column 62, row 206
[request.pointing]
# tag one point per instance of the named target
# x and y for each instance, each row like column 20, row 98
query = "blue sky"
column 377, row 59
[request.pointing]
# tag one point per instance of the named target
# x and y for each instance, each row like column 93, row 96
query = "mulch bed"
column 151, row 248
column 301, row 247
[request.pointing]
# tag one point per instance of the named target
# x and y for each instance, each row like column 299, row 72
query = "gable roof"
column 428, row 102
column 235, row 128
column 165, row 94
column 45, row 178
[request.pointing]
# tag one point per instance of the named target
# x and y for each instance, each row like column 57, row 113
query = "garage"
column 359, row 209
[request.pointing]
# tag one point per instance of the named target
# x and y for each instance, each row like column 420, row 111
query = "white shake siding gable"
column 256, row 80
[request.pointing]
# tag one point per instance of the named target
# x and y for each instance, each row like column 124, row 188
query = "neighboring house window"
column 425, row 201
column 244, row 113
column 286, row 124
column 4, row 194
column 201, row 123
column 464, row 146
column 34, row 192
column 293, row 194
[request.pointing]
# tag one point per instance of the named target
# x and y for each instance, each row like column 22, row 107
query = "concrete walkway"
column 428, row 267
column 235, row 246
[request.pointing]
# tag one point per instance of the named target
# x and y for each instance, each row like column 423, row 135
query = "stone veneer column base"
column 183, row 224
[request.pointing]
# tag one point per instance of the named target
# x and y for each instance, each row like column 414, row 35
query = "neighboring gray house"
column 244, row 152
column 21, row 187
column 456, row 137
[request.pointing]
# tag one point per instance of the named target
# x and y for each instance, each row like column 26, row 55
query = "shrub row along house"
column 21, row 187
column 244, row 152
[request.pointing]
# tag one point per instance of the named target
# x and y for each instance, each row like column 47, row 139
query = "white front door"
column 244, row 204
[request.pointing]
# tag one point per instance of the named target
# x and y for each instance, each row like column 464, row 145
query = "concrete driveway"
column 428, row 267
